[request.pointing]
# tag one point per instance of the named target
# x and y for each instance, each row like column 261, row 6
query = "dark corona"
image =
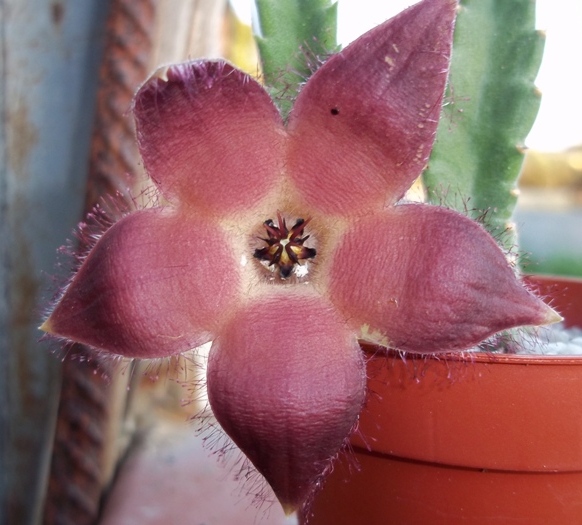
column 284, row 247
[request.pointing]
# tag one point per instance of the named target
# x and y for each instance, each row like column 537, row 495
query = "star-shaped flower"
column 286, row 375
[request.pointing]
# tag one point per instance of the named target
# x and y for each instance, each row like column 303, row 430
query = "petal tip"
column 288, row 508
column 361, row 102
column 47, row 326
column 288, row 408
column 550, row 316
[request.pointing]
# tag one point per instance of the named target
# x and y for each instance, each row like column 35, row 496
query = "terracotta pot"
column 478, row 439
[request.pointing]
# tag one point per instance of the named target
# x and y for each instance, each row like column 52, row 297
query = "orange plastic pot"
column 472, row 440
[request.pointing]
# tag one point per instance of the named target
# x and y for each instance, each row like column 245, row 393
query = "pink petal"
column 363, row 126
column 157, row 283
column 286, row 381
column 427, row 279
column 209, row 136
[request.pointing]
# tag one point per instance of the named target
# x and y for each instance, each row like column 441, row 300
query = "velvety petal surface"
column 363, row 126
column 286, row 381
column 157, row 283
column 423, row 278
column 209, row 135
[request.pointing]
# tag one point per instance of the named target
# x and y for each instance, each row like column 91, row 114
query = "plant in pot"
column 281, row 235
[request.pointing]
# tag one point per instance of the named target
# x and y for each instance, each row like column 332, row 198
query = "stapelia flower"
column 286, row 243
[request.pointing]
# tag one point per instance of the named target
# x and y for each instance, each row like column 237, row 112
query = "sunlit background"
column 559, row 124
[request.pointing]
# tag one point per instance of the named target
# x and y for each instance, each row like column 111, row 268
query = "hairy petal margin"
column 286, row 381
column 427, row 279
column 363, row 127
column 156, row 284
column 210, row 136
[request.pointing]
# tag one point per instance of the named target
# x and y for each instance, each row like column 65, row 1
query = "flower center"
column 284, row 247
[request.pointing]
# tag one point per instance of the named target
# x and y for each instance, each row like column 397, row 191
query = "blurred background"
column 84, row 442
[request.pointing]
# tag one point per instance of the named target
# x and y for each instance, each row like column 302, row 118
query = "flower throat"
column 284, row 247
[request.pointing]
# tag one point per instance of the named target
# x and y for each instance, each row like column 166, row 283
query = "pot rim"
column 485, row 357
column 465, row 410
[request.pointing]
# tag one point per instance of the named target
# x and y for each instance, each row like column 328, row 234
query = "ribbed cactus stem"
column 292, row 33
column 491, row 105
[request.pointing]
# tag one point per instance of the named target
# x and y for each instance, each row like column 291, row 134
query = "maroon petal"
column 425, row 279
column 209, row 135
column 363, row 126
column 157, row 283
column 286, row 381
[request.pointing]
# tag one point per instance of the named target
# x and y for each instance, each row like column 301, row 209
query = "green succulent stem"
column 491, row 104
column 293, row 35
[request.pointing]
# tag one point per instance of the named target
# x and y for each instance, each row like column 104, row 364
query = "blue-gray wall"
column 49, row 56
